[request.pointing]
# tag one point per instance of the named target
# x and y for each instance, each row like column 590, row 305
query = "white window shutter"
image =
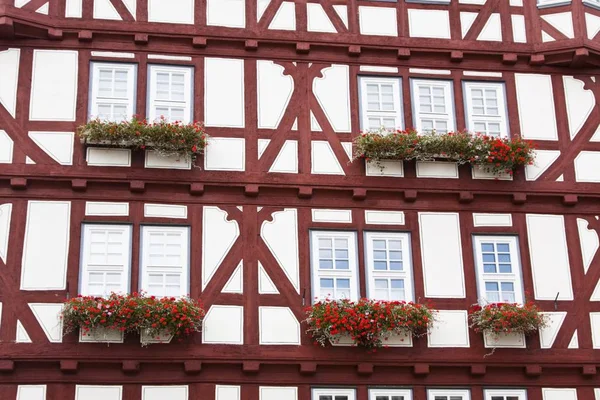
column 170, row 93
column 165, row 260
column 381, row 103
column 433, row 105
column 486, row 108
column 112, row 95
column 106, row 259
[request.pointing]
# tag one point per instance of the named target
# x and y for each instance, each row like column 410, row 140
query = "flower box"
column 403, row 339
column 146, row 337
column 485, row 172
column 514, row 340
column 101, row 335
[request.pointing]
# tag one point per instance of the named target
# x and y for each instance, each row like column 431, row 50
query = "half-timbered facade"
column 275, row 214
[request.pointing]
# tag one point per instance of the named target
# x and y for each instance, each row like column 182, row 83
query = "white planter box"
column 506, row 340
column 479, row 172
column 385, row 168
column 437, row 169
column 163, row 338
column 101, row 335
column 393, row 340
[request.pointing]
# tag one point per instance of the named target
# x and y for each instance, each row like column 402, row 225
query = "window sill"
column 554, row 3
column 438, row 2
column 591, row 4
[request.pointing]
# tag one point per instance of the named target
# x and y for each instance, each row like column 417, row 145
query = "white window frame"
column 520, row 393
column 429, row 1
column 153, row 102
column 85, row 267
column 592, row 3
column 351, row 393
column 405, row 274
column 515, row 277
column 418, row 116
column 552, row 3
column 129, row 102
column 398, row 113
column 407, row 393
column 351, row 273
column 502, row 117
column 185, row 270
column 465, row 393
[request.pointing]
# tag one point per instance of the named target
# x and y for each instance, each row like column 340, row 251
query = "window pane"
column 343, row 283
column 397, row 283
column 489, row 268
column 503, row 248
column 342, row 264
column 380, row 265
column 341, row 254
column 396, row 266
column 381, row 283
column 489, row 258
column 397, row 397
column 487, row 247
column 325, row 243
column 382, row 397
column 325, row 254
column 326, row 283
column 503, row 258
column 505, row 268
column 341, row 243
column 325, row 264
column 379, row 255
column 395, row 255
column 325, row 397
column 395, row 244
column 492, row 286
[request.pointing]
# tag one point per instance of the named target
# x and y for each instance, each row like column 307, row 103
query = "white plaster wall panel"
column 44, row 9
column 492, row 30
column 535, row 99
column 342, row 11
column 437, row 169
column 168, row 57
column 265, row 284
column 589, row 242
column 58, row 145
column 384, row 217
column 318, row 21
column 580, row 103
column 348, row 149
column 429, row 23
column 486, row 219
column 516, row 3
column 5, row 216
column 596, row 136
column 559, row 394
column 224, row 325
column 449, row 330
column 155, row 160
column 543, row 160
column 165, row 211
column 98, row 208
column 333, row 94
column 518, row 28
column 548, row 334
column 48, row 316
column 85, row 392
column 74, row 8
column 261, row 7
column 323, row 160
column 31, row 392
column 561, row 21
column 274, row 93
column 224, row 92
column 54, row 85
column 480, row 2
column 574, row 343
column 131, row 6
column 587, row 166
column 285, row 17
column 218, row 236
column 230, row 13
column 281, row 237
column 172, row 12
column 22, row 335
column 223, row 392
column 379, row 21
column 597, row 394
column 99, row 157
column 278, row 393
column 6, row 148
column 466, row 21
column 9, row 77
column 278, row 326
column 483, row 73
column 235, row 284
column 164, row 392
column 225, row 154
column 46, row 245
column 430, row 71
column 595, row 322
column 547, row 38
column 314, row 125
column 334, row 216
column 286, row 161
column 103, row 9
column 549, row 257
column 441, row 252
column 385, row 168
column 377, row 68
column 596, row 294
column 592, row 24
column 262, row 146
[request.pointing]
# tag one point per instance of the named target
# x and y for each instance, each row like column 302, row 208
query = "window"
column 390, row 394
column 165, row 260
column 333, row 394
column 505, row 394
column 429, row 1
column 592, row 3
column 498, row 269
column 388, row 266
column 170, row 93
column 105, row 261
column 113, row 91
column 448, row 394
column 433, row 105
column 381, row 103
column 334, row 265
column 551, row 3
column 486, row 108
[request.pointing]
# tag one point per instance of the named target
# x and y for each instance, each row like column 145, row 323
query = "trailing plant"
column 133, row 313
column 496, row 155
column 167, row 139
column 367, row 322
column 497, row 318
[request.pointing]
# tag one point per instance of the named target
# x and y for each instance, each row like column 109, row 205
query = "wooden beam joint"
column 305, row 192
column 137, row 186
column 251, row 367
column 251, row 190
column 141, row 39
column 192, row 367
column 354, row 51
column 69, row 366
column 197, row 189
column 570, row 199
column 537, row 59
column 79, row 185
column 85, row 36
column 456, row 56
column 509, row 59
column 421, row 369
column 589, row 371
column 465, row 197
column 403, row 53
column 410, row 196
column 478, row 370
column 18, row 183
column 199, row 42
column 359, row 194
column 130, row 367
column 7, row 366
column 308, row 368
column 519, row 198
column 251, row 45
column 302, row 48
column 364, row 369
column 533, row 370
